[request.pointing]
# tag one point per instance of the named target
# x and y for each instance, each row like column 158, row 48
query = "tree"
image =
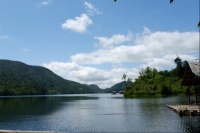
column 171, row 1
column 128, row 82
column 124, row 77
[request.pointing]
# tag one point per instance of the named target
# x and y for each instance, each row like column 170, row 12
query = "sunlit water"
column 94, row 113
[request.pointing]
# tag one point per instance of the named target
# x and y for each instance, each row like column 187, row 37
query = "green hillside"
column 17, row 78
column 153, row 83
column 117, row 87
column 95, row 88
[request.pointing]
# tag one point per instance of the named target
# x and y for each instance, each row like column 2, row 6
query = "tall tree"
column 124, row 77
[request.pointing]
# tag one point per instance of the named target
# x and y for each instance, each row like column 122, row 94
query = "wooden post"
column 195, row 90
column 188, row 95
column 198, row 94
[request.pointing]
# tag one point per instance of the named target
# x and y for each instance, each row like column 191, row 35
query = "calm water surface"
column 94, row 113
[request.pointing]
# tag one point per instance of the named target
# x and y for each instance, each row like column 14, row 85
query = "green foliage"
column 17, row 78
column 95, row 88
column 166, row 89
column 124, row 77
column 150, row 82
column 117, row 87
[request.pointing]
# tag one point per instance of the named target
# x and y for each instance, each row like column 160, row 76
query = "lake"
column 94, row 113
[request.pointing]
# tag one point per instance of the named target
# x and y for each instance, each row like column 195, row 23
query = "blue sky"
column 97, row 41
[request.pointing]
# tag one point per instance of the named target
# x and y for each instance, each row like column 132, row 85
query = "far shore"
column 20, row 131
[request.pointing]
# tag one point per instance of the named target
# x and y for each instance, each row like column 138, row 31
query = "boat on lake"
column 114, row 92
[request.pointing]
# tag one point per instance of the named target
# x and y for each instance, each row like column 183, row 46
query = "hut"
column 191, row 77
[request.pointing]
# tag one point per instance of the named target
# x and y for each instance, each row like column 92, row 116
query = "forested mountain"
column 117, row 87
column 95, row 88
column 153, row 83
column 17, row 78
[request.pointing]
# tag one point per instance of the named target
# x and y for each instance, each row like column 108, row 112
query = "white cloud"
column 44, row 3
column 155, row 49
column 146, row 30
column 25, row 49
column 169, row 42
column 90, row 75
column 91, row 9
column 79, row 24
column 167, row 61
column 4, row 37
column 117, row 39
column 145, row 48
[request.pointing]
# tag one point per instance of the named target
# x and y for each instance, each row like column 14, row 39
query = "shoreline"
column 184, row 110
column 21, row 131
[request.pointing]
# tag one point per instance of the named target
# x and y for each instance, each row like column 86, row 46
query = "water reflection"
column 35, row 105
column 94, row 113
column 191, row 124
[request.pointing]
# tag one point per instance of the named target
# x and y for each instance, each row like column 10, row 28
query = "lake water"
column 94, row 113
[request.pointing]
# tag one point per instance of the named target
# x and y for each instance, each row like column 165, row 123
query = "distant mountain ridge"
column 17, row 78
column 117, row 87
column 96, row 88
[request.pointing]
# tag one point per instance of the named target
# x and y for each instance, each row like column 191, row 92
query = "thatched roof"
column 195, row 67
column 191, row 75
